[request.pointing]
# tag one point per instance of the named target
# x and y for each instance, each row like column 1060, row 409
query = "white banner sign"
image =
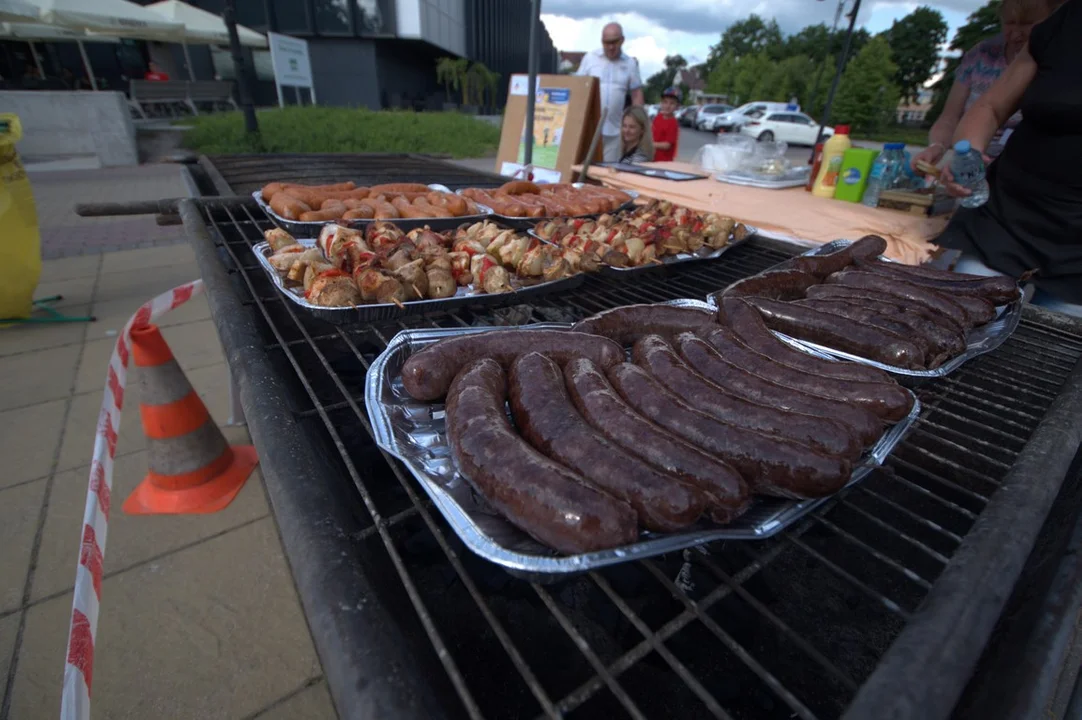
column 289, row 56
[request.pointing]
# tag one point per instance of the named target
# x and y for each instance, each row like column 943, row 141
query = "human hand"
column 946, row 180
column 930, row 155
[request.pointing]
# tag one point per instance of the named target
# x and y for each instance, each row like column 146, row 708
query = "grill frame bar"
column 210, row 261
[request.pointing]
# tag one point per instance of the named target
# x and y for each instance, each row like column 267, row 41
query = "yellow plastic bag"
column 20, row 243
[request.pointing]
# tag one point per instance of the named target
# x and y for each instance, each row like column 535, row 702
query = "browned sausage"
column 407, row 210
column 998, row 289
column 430, row 209
column 455, row 204
column 363, row 212
column 390, row 188
column 518, row 187
column 748, row 324
column 743, row 382
column 544, row 499
column 773, row 284
column 888, row 401
column 427, row 375
column 601, row 406
column 978, row 309
column 627, row 324
column 864, row 297
column 331, row 210
column 286, row 206
column 381, row 209
column 547, row 419
column 658, row 358
column 911, row 293
column 770, row 465
column 272, row 189
column 942, row 343
column 833, row 332
column 868, row 247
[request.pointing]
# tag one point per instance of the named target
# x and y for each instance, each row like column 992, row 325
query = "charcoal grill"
column 881, row 604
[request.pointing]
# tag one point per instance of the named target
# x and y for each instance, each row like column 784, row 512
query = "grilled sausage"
column 627, row 324
column 272, row 189
column 862, row 297
column 834, row 332
column 601, row 406
column 942, row 344
column 868, row 247
column 455, row 204
column 394, row 188
column 518, row 187
column 658, row 358
column 911, row 293
column 547, row 419
column 427, row 375
column 329, row 210
column 978, row 309
column 539, row 496
column 746, row 322
column 770, row 465
column 363, row 212
column 773, row 284
column 288, row 207
column 701, row 356
column 888, row 401
column 998, row 289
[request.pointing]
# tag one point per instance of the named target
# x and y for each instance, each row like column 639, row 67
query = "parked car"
column 705, row 119
column 731, row 121
column 687, row 115
column 652, row 111
column 795, row 128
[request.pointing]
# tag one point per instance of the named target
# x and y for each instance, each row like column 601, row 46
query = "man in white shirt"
column 618, row 75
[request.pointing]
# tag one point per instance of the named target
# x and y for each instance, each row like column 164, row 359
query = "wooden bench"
column 172, row 95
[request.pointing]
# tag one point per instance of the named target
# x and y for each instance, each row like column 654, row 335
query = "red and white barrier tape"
column 79, row 663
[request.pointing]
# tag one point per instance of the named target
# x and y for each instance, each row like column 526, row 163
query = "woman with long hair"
column 637, row 144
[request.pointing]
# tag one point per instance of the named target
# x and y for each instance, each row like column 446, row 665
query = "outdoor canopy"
column 202, row 27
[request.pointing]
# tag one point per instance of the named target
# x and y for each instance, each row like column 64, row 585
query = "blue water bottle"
column 967, row 167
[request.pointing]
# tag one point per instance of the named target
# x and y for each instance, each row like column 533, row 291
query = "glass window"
column 292, row 16
column 252, row 15
column 332, row 17
column 372, row 16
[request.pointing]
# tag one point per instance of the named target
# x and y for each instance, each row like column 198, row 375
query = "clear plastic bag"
column 768, row 159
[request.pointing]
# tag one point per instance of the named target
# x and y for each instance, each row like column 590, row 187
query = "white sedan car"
column 795, row 128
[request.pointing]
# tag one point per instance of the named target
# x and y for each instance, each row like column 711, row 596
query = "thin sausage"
column 427, row 375
column 657, row 357
column 998, row 289
column 889, row 401
column 746, row 322
column 546, row 500
column 770, row 465
column 627, row 324
column 864, row 297
column 600, row 405
column 547, row 419
column 911, row 293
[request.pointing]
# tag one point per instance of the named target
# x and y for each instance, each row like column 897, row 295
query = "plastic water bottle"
column 881, row 176
column 967, row 167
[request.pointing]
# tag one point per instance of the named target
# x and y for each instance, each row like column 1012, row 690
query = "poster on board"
column 289, row 58
column 566, row 112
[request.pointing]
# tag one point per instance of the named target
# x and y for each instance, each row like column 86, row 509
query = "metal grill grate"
column 783, row 628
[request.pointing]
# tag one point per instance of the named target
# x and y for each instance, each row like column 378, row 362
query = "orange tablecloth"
column 792, row 214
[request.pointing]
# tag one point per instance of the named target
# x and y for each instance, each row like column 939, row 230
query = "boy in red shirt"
column 666, row 129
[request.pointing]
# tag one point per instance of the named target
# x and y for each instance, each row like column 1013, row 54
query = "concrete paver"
column 144, row 260
column 36, row 377
column 312, row 703
column 9, row 628
column 132, row 538
column 29, row 440
column 212, row 631
column 18, row 339
column 73, row 267
column 19, row 510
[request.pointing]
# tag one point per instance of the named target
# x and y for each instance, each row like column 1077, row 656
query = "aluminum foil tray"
column 415, row 433
column 796, row 177
column 298, row 228
column 979, row 340
column 388, row 311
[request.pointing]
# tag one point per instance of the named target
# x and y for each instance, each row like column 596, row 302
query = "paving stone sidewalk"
column 200, row 618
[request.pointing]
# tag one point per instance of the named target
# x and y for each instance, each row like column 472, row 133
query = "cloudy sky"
column 656, row 29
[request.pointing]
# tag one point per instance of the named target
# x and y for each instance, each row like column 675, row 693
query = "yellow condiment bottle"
column 833, row 150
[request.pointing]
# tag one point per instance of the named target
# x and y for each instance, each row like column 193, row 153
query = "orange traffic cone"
column 192, row 468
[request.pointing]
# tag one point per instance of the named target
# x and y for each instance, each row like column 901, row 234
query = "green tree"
column 666, row 77
column 867, row 97
column 748, row 37
column 914, row 45
column 452, row 74
column 982, row 24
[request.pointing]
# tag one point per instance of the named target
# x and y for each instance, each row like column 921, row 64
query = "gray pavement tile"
column 39, row 376
column 312, row 703
column 20, row 507
column 56, row 270
column 211, row 382
column 74, row 291
column 212, row 631
column 141, row 260
column 132, row 538
column 138, row 285
column 9, row 628
column 26, row 337
column 195, row 345
column 29, row 440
